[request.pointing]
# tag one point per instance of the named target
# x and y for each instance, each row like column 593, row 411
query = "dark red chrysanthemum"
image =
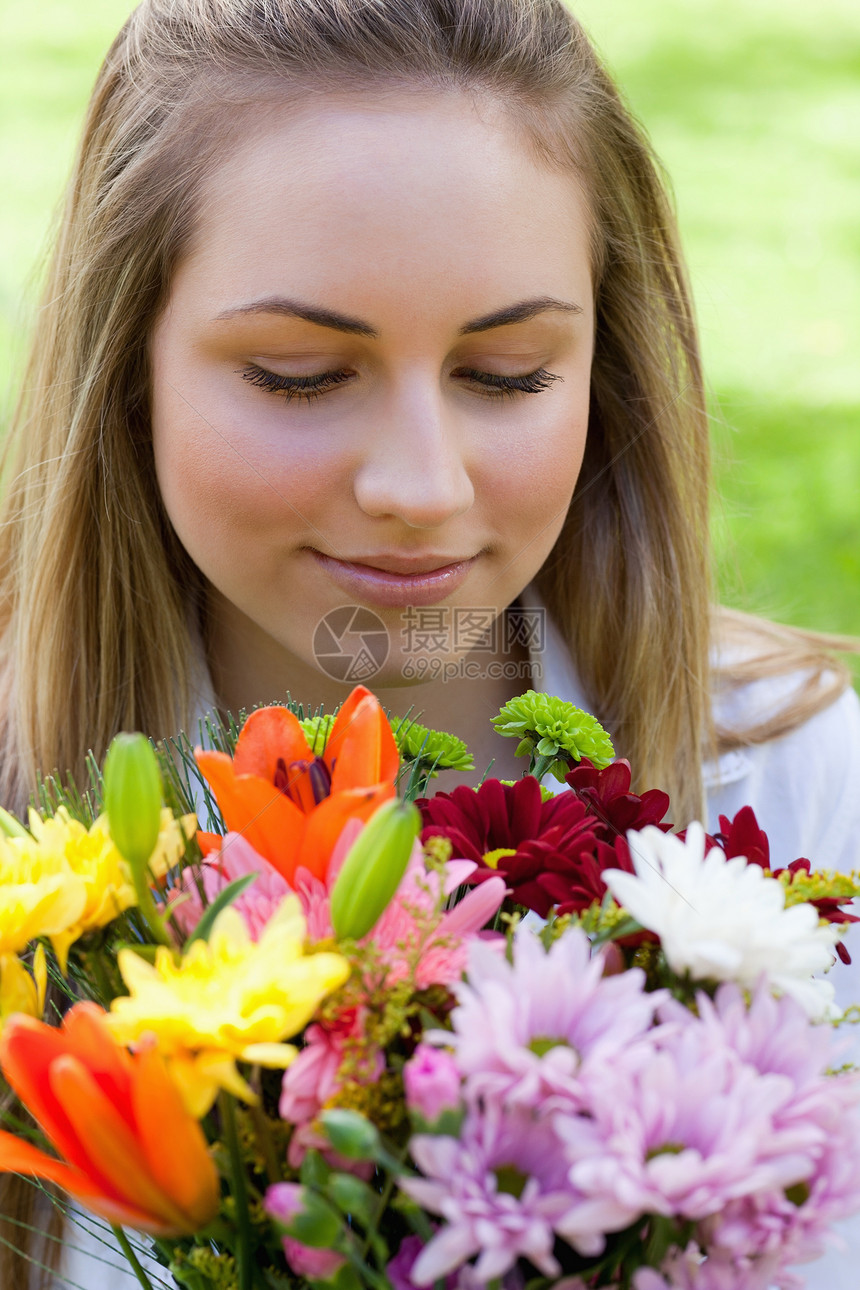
column 551, row 854
column 507, row 829
column 607, row 795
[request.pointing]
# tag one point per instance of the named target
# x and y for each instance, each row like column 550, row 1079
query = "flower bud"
column 432, row 1082
column 132, row 796
column 373, row 868
column 308, row 1219
column 351, row 1135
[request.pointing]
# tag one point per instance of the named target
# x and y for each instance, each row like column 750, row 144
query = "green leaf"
column 224, row 898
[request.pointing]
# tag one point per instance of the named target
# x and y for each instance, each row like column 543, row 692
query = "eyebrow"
column 520, row 312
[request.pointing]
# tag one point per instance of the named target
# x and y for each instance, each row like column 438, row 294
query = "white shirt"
column 805, row 790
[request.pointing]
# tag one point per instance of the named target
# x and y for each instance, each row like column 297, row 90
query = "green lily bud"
column 373, row 868
column 132, row 796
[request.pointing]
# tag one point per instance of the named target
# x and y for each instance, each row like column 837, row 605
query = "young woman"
column 380, row 305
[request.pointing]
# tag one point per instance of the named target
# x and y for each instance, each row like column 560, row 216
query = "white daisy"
column 724, row 920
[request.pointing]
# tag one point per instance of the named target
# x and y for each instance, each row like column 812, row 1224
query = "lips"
column 397, row 581
column 407, row 566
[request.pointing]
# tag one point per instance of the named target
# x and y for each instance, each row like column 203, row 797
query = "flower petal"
column 115, row 1152
column 361, row 749
column 172, row 1142
column 252, row 806
column 326, row 824
column 268, row 736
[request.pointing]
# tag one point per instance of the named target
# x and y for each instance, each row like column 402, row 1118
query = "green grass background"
column 754, row 106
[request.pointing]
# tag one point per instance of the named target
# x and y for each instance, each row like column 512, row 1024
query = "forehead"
column 431, row 193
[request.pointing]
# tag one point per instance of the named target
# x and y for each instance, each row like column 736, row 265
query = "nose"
column 414, row 466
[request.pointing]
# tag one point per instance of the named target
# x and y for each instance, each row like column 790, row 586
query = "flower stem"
column 244, row 1253
column 125, row 1246
column 146, row 906
column 540, row 765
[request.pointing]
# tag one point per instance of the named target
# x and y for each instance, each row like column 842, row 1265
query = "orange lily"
column 132, row 1153
column 292, row 805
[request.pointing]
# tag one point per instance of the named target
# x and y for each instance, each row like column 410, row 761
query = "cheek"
column 231, row 484
column 532, row 474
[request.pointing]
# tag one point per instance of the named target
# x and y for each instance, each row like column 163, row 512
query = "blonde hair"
column 97, row 596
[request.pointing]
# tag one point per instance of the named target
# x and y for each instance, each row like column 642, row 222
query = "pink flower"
column 689, row 1128
column 690, row 1270
column 308, row 1084
column 500, row 1187
column 316, row 1265
column 524, row 1030
column 414, row 931
column 235, row 859
column 283, row 1202
column 311, row 1079
column 432, row 1082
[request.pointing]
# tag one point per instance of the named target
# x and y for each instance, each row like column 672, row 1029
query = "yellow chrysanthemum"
column 64, row 880
column 229, row 998
column 19, row 991
column 33, row 903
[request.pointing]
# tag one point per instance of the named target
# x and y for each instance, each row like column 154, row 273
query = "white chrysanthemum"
column 724, row 920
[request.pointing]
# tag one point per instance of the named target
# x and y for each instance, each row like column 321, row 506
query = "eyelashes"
column 309, row 388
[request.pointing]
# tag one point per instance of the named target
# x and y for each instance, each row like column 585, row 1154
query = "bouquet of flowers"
column 360, row 1036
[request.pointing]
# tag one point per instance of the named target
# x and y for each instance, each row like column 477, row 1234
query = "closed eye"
column 491, row 384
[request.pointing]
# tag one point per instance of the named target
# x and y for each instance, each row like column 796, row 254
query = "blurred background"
column 754, row 107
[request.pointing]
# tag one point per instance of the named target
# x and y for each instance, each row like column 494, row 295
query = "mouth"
column 392, row 581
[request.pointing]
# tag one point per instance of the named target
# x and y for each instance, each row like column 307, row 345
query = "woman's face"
column 370, row 384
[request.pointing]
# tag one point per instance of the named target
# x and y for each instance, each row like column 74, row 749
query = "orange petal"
column 362, row 750
column 118, row 1163
column 20, row 1157
column 324, row 827
column 28, row 1049
column 208, row 842
column 272, row 824
column 268, row 736
column 88, row 1039
column 173, row 1142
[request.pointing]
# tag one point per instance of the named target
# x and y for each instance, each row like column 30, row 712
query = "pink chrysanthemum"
column 690, row 1270
column 790, row 1223
column 523, row 1030
column 500, row 1188
column 685, row 1131
column 235, row 859
column 415, row 928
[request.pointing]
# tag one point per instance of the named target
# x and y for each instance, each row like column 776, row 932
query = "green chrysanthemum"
column 553, row 734
column 434, row 748
column 317, row 730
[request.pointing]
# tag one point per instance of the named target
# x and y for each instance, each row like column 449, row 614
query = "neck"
column 249, row 667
